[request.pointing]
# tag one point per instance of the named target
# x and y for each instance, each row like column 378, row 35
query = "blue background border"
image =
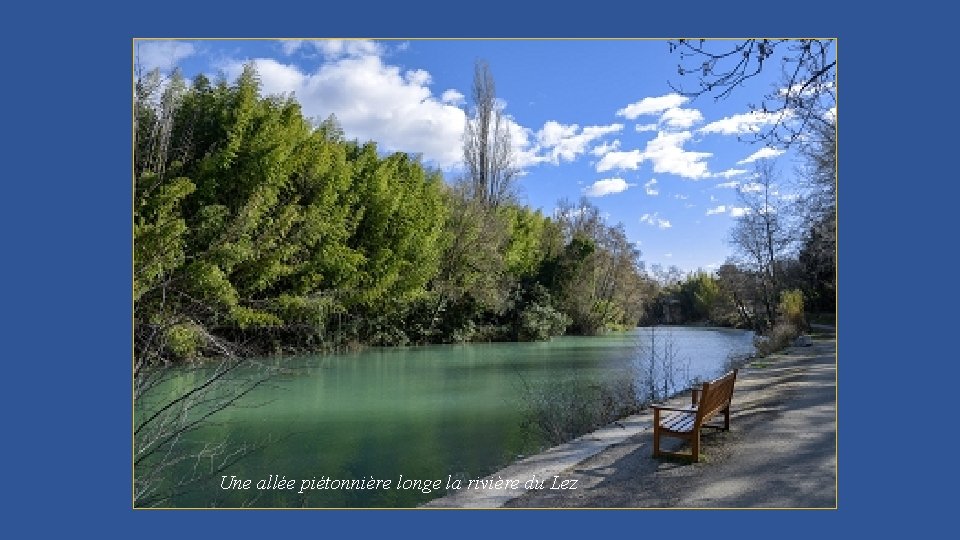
column 66, row 212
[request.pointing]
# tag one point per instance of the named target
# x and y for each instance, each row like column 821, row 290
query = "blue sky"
column 594, row 118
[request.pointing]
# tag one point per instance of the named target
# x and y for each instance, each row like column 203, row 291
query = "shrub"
column 791, row 308
column 539, row 323
column 183, row 340
column 776, row 339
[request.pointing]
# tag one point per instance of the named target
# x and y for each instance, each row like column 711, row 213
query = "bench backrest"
column 715, row 396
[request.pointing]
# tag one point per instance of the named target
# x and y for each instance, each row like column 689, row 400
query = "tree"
column 487, row 151
column 802, row 101
column 764, row 235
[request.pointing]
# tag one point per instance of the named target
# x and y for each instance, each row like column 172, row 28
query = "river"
column 433, row 411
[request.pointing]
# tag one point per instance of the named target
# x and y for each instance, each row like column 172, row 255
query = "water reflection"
column 430, row 412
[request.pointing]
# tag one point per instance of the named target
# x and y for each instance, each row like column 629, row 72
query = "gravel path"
column 780, row 452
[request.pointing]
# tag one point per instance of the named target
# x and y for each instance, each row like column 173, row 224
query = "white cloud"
column 164, row 55
column 763, row 153
column 652, row 105
column 291, row 46
column 752, row 187
column 372, row 100
column 567, row 142
column 729, row 185
column 339, row 48
column 681, row 118
column 650, row 189
column 655, row 220
column 620, row 160
column 525, row 152
column 738, row 124
column 733, row 211
column 452, row 97
column 640, row 128
column 418, row 77
column 552, row 133
column 604, row 148
column 668, row 255
column 729, row 173
column 607, row 186
column 668, row 156
column 680, row 197
column 334, row 49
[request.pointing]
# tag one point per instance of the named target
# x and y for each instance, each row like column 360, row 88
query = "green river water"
column 430, row 412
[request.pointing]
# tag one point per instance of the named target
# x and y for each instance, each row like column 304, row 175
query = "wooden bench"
column 685, row 422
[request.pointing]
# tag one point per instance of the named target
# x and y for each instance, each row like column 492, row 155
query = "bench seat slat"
column 680, row 422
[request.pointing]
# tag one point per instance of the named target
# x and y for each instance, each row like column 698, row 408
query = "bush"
column 539, row 323
column 182, row 341
column 571, row 409
column 791, row 308
column 777, row 338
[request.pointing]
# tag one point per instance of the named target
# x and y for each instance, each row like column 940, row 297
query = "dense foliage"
column 254, row 226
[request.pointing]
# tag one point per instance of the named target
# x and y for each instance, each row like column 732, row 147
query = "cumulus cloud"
column 290, row 46
column 372, row 100
column 526, row 149
column 729, row 173
column 562, row 142
column 681, row 118
column 729, row 185
column 655, row 220
column 763, row 153
column 740, row 124
column 652, row 105
column 717, row 210
column 752, row 187
column 164, row 55
column 739, row 211
column 338, row 48
column 667, row 154
column 452, row 97
column 332, row 49
column 607, row 186
column 640, row 128
column 650, row 188
column 620, row 160
column 604, row 148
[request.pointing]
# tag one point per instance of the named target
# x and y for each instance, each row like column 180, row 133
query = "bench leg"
column 656, row 433
column 695, row 450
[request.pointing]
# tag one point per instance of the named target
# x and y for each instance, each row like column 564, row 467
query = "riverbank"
column 780, row 452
